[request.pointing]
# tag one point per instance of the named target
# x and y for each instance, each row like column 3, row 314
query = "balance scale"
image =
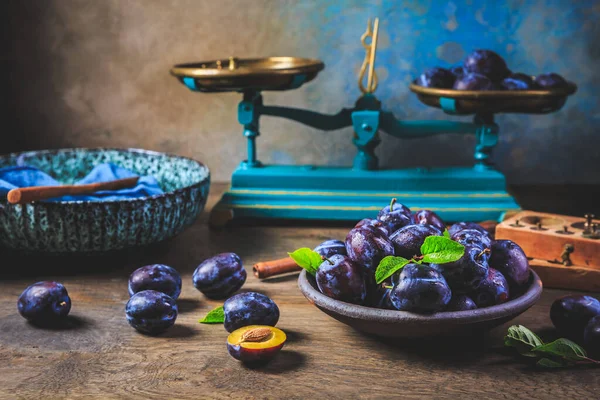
column 258, row 190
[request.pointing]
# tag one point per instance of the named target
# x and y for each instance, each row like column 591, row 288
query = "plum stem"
column 392, row 204
column 62, row 304
column 485, row 251
column 328, row 260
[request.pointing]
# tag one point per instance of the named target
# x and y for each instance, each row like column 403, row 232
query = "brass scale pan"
column 285, row 73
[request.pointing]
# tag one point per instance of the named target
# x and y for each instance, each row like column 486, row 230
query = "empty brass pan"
column 238, row 75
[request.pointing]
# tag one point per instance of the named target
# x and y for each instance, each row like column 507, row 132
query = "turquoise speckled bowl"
column 101, row 226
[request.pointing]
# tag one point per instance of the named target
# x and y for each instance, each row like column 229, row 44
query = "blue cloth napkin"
column 23, row 176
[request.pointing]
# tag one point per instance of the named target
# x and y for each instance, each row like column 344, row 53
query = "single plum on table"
column 157, row 277
column 394, row 216
column 591, row 337
column 409, row 239
column 367, row 246
column 220, row 276
column 550, row 81
column 340, row 278
column 249, row 308
column 492, row 290
column 510, row 259
column 486, row 63
column 460, row 302
column 44, row 303
column 570, row 314
column 428, row 217
column 151, row 312
column 466, row 274
column 436, row 78
column 255, row 344
column 473, row 81
column 331, row 247
column 421, row 288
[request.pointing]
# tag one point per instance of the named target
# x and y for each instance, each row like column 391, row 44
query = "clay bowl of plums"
column 408, row 274
column 484, row 84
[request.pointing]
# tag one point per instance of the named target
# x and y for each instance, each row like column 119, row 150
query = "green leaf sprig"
column 308, row 259
column 214, row 316
column 435, row 249
column 560, row 353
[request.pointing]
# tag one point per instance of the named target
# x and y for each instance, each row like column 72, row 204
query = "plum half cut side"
column 255, row 344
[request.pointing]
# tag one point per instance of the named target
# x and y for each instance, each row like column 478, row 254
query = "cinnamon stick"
column 266, row 269
column 35, row 193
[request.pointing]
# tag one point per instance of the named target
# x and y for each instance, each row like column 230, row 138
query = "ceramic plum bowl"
column 402, row 324
column 67, row 227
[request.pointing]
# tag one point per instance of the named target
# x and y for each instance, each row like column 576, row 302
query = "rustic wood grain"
column 98, row 355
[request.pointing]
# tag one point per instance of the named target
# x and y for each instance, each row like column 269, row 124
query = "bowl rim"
column 357, row 312
column 171, row 193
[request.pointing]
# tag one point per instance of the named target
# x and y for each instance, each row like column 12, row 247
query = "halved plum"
column 255, row 344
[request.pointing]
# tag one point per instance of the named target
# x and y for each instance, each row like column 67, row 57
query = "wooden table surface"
column 100, row 355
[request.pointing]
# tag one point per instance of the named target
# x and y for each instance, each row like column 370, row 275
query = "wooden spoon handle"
column 35, row 193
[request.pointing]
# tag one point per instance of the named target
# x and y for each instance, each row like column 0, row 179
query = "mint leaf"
column 548, row 363
column 446, row 233
column 523, row 340
column 441, row 250
column 388, row 266
column 308, row 259
column 215, row 316
column 563, row 348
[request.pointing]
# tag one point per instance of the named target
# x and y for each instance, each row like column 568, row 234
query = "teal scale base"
column 337, row 193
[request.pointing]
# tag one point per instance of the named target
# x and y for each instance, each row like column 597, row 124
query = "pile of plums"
column 489, row 272
column 486, row 70
column 577, row 317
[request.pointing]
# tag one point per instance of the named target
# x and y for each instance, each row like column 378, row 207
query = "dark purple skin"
column 466, row 274
column 570, row 314
column 436, row 78
column 472, row 81
column 492, row 290
column 249, row 308
column 459, row 226
column 157, row 277
column 519, row 81
column 409, row 239
column 255, row 357
column 472, row 238
column 427, row 217
column 394, row 216
column 461, row 302
column 340, row 278
column 151, row 312
column 487, row 63
column 44, row 303
column 421, row 289
column 375, row 223
column 550, row 81
column 510, row 259
column 367, row 246
column 591, row 337
column 220, row 276
column 458, row 71
column 331, row 247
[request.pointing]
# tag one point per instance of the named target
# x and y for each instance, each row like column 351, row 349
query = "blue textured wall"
column 95, row 73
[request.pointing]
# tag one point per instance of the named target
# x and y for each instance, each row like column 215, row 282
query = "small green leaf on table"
column 523, row 340
column 563, row 348
column 215, row 316
column 446, row 233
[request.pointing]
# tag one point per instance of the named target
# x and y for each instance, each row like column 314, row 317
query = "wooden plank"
column 101, row 356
